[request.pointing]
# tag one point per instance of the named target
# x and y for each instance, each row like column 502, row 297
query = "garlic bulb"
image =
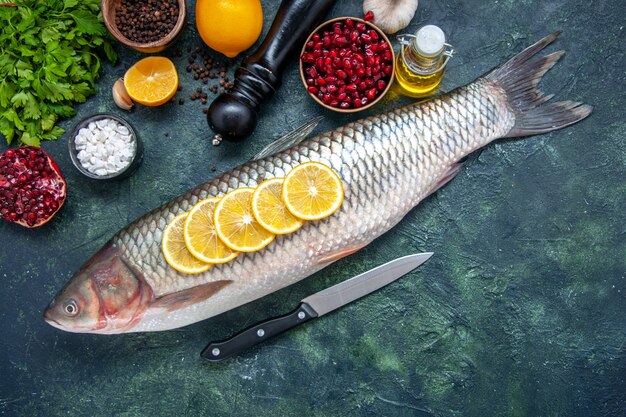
column 391, row 15
column 120, row 96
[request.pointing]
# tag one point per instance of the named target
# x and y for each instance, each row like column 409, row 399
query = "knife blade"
column 317, row 305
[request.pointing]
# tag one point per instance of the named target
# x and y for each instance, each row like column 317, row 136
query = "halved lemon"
column 200, row 235
column 312, row 191
column 269, row 209
column 152, row 81
column 175, row 251
column 235, row 223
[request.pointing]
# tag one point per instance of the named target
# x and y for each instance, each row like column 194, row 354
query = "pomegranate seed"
column 341, row 41
column 369, row 16
column 347, row 65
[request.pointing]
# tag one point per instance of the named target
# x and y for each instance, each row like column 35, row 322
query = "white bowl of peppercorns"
column 145, row 25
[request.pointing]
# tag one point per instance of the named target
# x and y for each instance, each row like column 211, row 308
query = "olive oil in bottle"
column 421, row 63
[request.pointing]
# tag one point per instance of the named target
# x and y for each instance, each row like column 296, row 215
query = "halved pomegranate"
column 32, row 188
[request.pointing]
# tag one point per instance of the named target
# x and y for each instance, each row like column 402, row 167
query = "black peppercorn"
column 146, row 20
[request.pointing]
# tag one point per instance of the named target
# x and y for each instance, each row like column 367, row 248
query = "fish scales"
column 387, row 163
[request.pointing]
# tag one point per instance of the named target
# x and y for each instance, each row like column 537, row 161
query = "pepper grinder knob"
column 233, row 115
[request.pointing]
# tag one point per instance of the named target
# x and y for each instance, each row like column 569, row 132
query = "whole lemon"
column 229, row 26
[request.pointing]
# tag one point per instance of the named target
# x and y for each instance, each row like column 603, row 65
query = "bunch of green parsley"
column 49, row 60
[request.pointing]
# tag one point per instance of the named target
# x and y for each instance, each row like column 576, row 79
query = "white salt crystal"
column 105, row 147
column 123, row 130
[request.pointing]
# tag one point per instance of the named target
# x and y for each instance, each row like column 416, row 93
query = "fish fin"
column 189, row 296
column 446, row 178
column 519, row 78
column 290, row 139
column 340, row 254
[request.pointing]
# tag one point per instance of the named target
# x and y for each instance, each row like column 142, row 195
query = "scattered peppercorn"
column 146, row 20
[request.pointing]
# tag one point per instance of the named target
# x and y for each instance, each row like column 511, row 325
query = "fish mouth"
column 47, row 316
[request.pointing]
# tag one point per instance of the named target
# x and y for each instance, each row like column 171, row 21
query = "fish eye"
column 70, row 308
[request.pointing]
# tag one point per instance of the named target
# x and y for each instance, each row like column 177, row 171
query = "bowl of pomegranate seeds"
column 347, row 64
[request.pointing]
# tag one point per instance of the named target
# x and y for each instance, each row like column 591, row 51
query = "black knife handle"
column 216, row 351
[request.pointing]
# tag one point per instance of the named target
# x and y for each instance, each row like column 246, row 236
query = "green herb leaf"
column 49, row 60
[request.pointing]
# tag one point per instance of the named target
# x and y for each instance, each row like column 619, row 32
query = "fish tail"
column 519, row 78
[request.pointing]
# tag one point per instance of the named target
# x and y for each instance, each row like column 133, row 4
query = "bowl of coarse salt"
column 105, row 146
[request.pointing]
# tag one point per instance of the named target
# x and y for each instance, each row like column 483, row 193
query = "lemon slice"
column 269, row 209
column 312, row 191
column 152, row 81
column 175, row 251
column 200, row 235
column 235, row 223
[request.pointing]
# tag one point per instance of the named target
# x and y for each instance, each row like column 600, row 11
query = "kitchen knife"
column 317, row 305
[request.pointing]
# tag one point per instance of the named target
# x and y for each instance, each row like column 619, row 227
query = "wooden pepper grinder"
column 233, row 115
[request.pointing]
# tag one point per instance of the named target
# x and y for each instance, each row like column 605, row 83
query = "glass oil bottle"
column 421, row 63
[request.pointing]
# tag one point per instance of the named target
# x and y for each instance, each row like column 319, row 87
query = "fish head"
column 104, row 296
